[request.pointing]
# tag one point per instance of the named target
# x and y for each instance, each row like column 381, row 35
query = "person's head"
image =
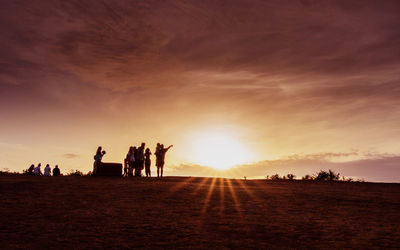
column 103, row 152
column 99, row 150
column 56, row 166
column 162, row 146
column 130, row 149
column 47, row 165
column 32, row 165
column 40, row 164
column 147, row 150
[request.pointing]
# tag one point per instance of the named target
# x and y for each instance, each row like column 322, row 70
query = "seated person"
column 47, row 170
column 56, row 171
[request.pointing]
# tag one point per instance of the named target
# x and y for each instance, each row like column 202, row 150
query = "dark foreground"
column 84, row 212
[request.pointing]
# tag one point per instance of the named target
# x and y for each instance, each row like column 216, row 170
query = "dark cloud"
column 70, row 156
column 121, row 43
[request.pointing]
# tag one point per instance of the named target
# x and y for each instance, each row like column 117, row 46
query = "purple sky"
column 286, row 77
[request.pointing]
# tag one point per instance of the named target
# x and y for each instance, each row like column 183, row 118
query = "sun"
column 219, row 150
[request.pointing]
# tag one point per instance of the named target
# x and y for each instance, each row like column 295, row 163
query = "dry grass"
column 85, row 212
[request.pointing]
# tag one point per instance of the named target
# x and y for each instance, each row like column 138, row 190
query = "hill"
column 184, row 212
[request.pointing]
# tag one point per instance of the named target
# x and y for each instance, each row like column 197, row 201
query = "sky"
column 298, row 85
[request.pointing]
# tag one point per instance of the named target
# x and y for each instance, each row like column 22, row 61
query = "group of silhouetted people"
column 32, row 170
column 138, row 158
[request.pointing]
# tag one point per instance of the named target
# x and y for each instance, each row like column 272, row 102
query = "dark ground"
column 87, row 212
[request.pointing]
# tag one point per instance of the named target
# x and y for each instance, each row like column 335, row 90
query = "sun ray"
column 245, row 188
column 207, row 199
column 200, row 185
column 237, row 206
column 180, row 185
column 206, row 202
column 234, row 198
column 221, row 195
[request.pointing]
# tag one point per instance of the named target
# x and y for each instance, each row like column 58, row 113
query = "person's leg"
column 158, row 172
column 162, row 168
column 139, row 168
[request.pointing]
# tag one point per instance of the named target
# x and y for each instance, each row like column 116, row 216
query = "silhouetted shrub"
column 307, row 177
column 290, row 176
column 322, row 175
column 6, row 172
column 75, row 173
column 275, row 177
column 327, row 176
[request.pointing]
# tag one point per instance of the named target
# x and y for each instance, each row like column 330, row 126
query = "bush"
column 307, row 177
column 327, row 176
column 7, row 172
column 290, row 177
column 322, row 175
column 75, row 173
column 275, row 177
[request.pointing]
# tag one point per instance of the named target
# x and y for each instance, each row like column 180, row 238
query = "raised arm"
column 168, row 148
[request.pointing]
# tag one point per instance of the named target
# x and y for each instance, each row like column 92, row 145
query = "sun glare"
column 218, row 150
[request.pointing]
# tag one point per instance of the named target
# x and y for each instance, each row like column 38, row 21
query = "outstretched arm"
column 168, row 148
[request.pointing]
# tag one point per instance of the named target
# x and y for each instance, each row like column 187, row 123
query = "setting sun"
column 218, row 150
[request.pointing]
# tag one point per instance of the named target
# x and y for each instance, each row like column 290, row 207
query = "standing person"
column 139, row 160
column 161, row 155
column 36, row 170
column 126, row 162
column 47, row 170
column 56, row 171
column 157, row 154
column 131, row 159
column 97, row 159
column 31, row 169
column 147, row 162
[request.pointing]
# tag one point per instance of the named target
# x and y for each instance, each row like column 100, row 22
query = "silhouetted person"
column 161, row 156
column 31, row 169
column 56, row 171
column 157, row 148
column 157, row 154
column 126, row 164
column 147, row 162
column 37, row 170
column 139, row 160
column 131, row 159
column 47, row 170
column 97, row 159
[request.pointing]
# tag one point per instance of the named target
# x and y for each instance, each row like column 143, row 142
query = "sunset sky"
column 295, row 86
